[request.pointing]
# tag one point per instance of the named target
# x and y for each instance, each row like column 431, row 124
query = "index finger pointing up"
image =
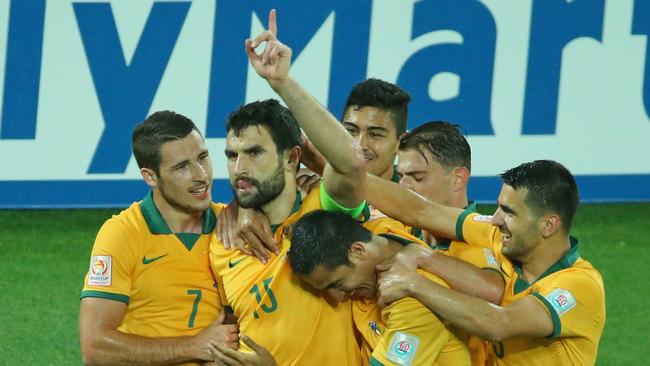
column 273, row 28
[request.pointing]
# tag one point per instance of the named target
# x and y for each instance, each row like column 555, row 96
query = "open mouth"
column 506, row 234
column 200, row 192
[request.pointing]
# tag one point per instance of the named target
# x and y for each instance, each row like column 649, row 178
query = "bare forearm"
column 117, row 348
column 475, row 315
column 325, row 132
column 465, row 277
column 411, row 208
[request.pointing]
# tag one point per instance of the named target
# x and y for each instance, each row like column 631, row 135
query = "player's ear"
column 357, row 251
column 149, row 177
column 461, row 177
column 550, row 224
column 293, row 158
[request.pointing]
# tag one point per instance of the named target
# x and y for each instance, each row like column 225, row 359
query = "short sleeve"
column 112, row 262
column 415, row 336
column 575, row 301
column 477, row 230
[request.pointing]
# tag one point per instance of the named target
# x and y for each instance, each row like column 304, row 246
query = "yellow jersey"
column 571, row 290
column 295, row 323
column 479, row 256
column 406, row 332
column 164, row 278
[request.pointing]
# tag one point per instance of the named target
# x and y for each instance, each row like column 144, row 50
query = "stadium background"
column 565, row 80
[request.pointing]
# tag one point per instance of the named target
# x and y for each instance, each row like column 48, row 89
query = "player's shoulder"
column 129, row 219
column 581, row 279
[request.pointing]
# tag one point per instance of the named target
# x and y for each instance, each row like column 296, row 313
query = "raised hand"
column 273, row 63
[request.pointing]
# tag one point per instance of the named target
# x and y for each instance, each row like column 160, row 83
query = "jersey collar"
column 157, row 224
column 567, row 260
column 296, row 206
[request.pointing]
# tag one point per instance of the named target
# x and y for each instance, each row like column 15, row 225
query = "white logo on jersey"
column 100, row 271
column 482, row 218
column 402, row 348
column 562, row 300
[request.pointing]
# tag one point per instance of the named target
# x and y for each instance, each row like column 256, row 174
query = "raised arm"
column 103, row 344
column 412, row 209
column 344, row 175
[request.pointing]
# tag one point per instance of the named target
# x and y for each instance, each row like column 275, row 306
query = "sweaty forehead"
column 252, row 135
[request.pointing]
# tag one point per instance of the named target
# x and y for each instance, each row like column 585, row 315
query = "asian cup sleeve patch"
column 403, row 348
column 100, row 271
column 562, row 300
column 482, row 218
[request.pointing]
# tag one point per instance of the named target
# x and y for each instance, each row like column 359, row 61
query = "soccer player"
column 294, row 324
column 335, row 252
column 149, row 295
column 435, row 162
column 553, row 308
column 375, row 114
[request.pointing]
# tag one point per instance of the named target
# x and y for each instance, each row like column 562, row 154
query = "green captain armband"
column 329, row 204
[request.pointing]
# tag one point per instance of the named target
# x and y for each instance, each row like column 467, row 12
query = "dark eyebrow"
column 377, row 128
column 350, row 124
column 179, row 164
column 254, row 148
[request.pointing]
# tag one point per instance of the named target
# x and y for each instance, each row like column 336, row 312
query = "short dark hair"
column 278, row 120
column 150, row 134
column 383, row 95
column 324, row 238
column 551, row 188
column 445, row 142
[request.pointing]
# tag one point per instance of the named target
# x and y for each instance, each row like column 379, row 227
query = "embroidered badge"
column 482, row 218
column 489, row 256
column 100, row 271
column 403, row 348
column 562, row 300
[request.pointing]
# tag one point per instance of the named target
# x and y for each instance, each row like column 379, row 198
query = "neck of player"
column 279, row 209
column 547, row 252
column 177, row 220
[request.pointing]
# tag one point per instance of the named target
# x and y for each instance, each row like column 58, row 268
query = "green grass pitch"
column 44, row 256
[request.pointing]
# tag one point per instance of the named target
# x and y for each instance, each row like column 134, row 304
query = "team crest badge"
column 403, row 348
column 100, row 271
column 562, row 300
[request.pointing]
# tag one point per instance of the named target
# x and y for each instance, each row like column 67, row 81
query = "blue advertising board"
column 552, row 79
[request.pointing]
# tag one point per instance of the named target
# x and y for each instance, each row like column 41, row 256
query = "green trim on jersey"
column 395, row 177
column 157, row 224
column 444, row 244
column 470, row 209
column 566, row 261
column 375, row 362
column 105, row 295
column 329, row 204
column 188, row 239
column 296, row 206
column 557, row 325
